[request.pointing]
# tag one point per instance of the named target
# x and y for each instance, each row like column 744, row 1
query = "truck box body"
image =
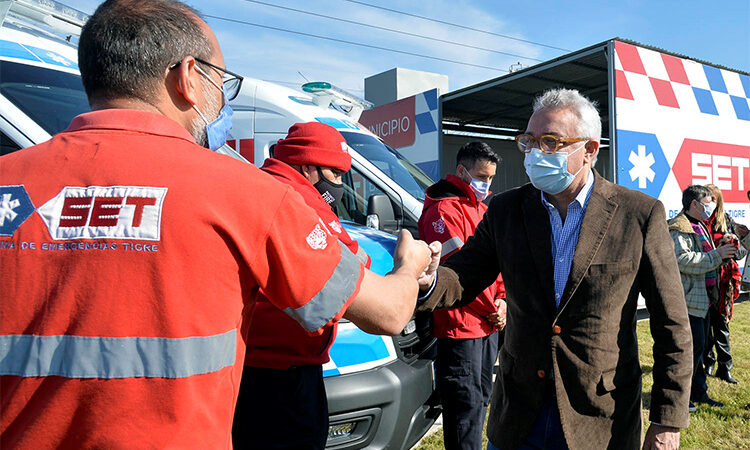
column 668, row 120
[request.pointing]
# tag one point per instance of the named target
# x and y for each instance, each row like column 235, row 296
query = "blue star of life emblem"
column 15, row 208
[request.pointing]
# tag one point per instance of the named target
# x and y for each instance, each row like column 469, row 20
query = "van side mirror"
column 380, row 214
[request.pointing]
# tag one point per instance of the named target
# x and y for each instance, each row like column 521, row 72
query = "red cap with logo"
column 316, row 144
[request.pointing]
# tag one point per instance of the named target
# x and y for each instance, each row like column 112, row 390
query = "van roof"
column 19, row 45
column 266, row 96
column 29, row 39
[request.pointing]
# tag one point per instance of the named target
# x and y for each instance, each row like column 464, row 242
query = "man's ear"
column 186, row 80
column 591, row 148
column 306, row 170
column 460, row 173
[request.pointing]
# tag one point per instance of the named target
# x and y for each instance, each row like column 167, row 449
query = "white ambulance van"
column 383, row 189
column 40, row 86
column 380, row 389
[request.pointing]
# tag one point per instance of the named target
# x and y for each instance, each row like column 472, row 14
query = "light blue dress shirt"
column 565, row 235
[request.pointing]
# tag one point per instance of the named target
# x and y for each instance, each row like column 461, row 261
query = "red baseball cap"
column 315, row 144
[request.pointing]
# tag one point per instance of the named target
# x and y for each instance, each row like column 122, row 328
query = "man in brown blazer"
column 575, row 251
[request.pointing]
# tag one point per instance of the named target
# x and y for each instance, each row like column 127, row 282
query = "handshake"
column 417, row 258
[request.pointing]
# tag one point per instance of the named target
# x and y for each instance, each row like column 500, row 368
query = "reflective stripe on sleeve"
column 362, row 255
column 115, row 357
column 329, row 301
column 452, row 244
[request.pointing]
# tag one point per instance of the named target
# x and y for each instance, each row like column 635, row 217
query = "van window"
column 357, row 190
column 388, row 161
column 49, row 97
column 7, row 145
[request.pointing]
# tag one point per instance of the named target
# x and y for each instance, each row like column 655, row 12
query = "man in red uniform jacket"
column 283, row 364
column 467, row 338
column 132, row 255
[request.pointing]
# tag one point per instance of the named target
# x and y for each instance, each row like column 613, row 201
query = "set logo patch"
column 335, row 226
column 317, row 239
column 15, row 208
column 439, row 226
column 105, row 212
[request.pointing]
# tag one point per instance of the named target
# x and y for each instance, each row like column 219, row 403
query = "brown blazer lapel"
column 596, row 220
column 538, row 235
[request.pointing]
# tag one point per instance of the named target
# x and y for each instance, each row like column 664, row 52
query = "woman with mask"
column 698, row 259
column 722, row 229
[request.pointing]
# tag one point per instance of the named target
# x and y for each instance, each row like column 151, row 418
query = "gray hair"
column 127, row 45
column 589, row 122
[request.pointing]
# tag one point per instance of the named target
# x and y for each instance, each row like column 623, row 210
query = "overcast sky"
column 718, row 32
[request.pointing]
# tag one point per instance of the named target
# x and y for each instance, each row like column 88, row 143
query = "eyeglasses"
column 232, row 81
column 548, row 143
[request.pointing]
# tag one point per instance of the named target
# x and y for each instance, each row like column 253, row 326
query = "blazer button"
column 541, row 374
column 556, row 329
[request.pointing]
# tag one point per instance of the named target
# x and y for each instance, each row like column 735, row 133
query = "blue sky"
column 714, row 31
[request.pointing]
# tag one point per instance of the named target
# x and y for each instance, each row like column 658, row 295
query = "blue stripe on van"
column 337, row 123
column 15, row 50
column 53, row 58
column 353, row 346
column 377, row 244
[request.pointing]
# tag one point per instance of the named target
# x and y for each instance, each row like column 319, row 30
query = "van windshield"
column 51, row 98
column 406, row 174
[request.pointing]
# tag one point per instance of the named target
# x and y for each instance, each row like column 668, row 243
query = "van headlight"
column 410, row 327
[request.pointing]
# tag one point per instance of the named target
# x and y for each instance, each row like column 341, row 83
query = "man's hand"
column 660, row 437
column 428, row 276
column 498, row 319
column 411, row 256
column 727, row 250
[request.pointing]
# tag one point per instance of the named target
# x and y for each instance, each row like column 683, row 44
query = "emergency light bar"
column 54, row 14
column 325, row 93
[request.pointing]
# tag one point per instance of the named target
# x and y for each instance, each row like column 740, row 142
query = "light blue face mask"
column 708, row 209
column 481, row 189
column 549, row 172
column 217, row 131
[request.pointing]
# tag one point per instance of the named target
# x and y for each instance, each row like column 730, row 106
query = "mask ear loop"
column 467, row 174
column 200, row 114
column 210, row 80
column 582, row 166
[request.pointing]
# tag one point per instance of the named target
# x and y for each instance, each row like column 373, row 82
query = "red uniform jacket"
column 129, row 269
column 275, row 340
column 450, row 215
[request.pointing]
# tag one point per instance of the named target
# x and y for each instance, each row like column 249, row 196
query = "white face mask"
column 549, row 172
column 481, row 188
column 708, row 209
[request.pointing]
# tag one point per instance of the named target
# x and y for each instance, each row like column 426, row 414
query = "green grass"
column 727, row 428
column 710, row 428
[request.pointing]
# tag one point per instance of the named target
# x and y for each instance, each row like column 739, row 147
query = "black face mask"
column 330, row 191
